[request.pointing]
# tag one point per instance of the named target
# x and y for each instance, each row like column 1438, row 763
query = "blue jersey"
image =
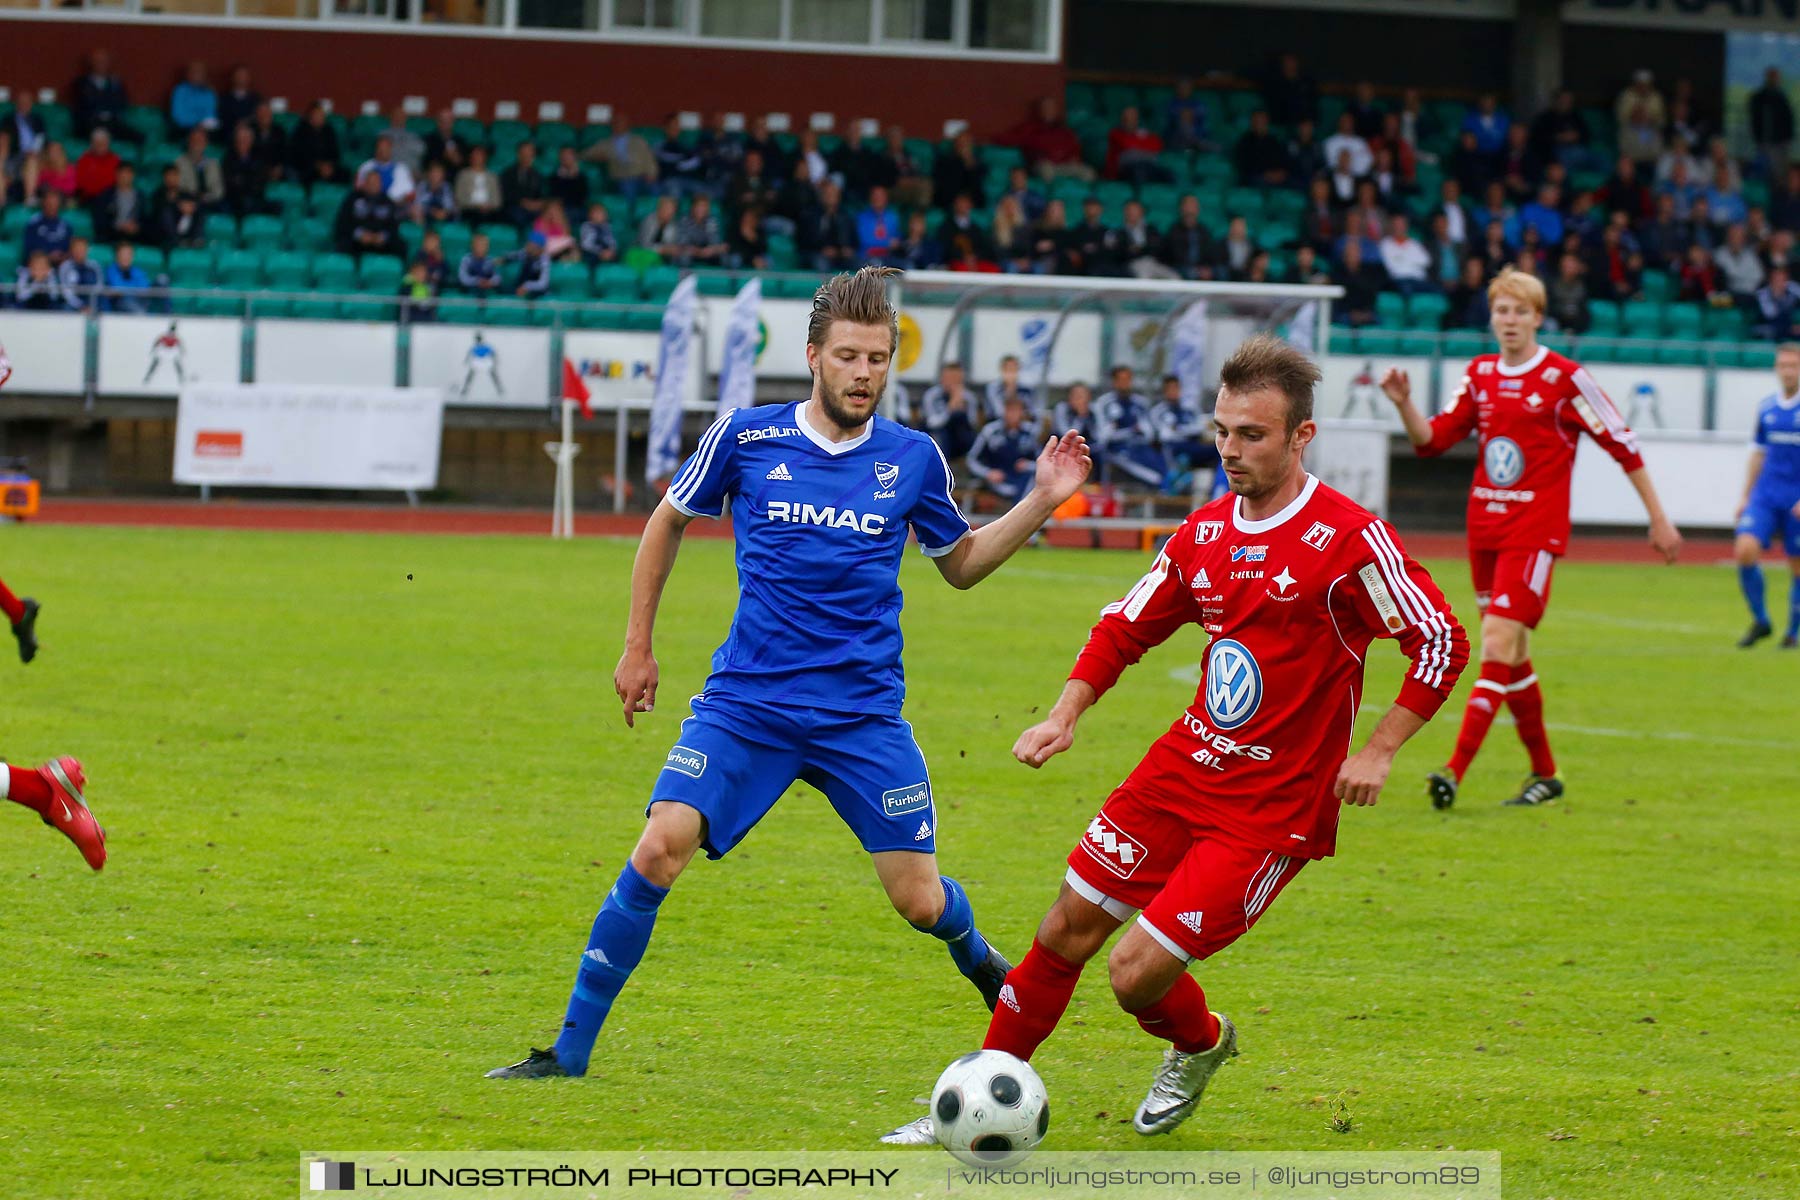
column 1778, row 437
column 820, row 527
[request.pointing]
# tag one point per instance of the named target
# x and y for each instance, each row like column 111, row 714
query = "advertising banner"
column 158, row 356
column 481, row 366
column 279, row 435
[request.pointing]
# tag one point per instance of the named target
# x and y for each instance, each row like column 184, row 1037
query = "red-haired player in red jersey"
column 1292, row 581
column 1528, row 406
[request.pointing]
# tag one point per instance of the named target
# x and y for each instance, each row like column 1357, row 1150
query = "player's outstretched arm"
column 1056, row 732
column 635, row 677
column 1665, row 539
column 1396, row 385
column 1061, row 469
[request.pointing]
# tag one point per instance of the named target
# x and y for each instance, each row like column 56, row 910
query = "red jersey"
column 1292, row 603
column 1528, row 419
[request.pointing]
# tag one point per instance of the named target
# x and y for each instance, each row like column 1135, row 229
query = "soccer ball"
column 989, row 1109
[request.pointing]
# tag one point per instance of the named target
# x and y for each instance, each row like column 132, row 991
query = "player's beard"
column 1255, row 484
column 839, row 412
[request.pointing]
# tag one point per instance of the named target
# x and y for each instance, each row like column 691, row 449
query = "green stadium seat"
column 1004, row 157
column 1682, row 321
column 569, row 281
column 1684, row 354
column 13, row 221
column 502, row 239
column 146, row 121
column 1115, row 97
column 1341, row 341
column 153, row 260
column 1244, row 202
column 1724, row 325
column 1390, row 310
column 553, row 136
column 455, row 238
column 220, row 306
column 379, row 273
column 711, row 281
column 616, row 281
column 1113, row 192
column 1659, row 286
column 470, row 130
column 308, row 309
column 241, row 269
column 221, row 229
column 190, row 267
column 312, row 235
column 508, row 312
column 461, row 310
column 1080, row 98
column 1377, row 341
column 288, row 270
column 81, row 222
column 1418, row 344
column 365, row 310
column 1635, row 350
column 658, row 282
column 1595, row 350
column 1603, row 318
column 364, row 128
column 326, row 198
column 9, row 261
column 546, row 315
column 790, row 287
column 1425, row 310
column 262, row 231
column 1641, row 318
column 334, row 272
column 509, row 133
column 1466, row 344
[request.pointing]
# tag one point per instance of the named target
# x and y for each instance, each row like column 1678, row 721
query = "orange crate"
column 18, row 497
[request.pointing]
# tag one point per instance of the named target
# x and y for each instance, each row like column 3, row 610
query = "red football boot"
column 69, row 811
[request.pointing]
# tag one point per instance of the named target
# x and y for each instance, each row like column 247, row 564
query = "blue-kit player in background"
column 1771, row 505
column 808, row 684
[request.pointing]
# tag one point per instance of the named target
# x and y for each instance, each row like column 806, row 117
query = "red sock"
column 1527, row 704
column 1182, row 1017
column 27, row 787
column 1484, row 705
column 10, row 605
column 1034, row 999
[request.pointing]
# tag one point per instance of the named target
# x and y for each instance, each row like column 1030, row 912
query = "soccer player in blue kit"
column 1771, row 503
column 808, row 683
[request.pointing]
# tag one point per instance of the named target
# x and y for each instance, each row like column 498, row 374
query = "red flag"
column 574, row 389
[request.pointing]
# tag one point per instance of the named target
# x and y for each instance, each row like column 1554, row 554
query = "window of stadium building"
column 649, row 14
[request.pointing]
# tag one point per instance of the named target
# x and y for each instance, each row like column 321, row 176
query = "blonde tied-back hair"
column 1526, row 288
column 1268, row 362
column 860, row 298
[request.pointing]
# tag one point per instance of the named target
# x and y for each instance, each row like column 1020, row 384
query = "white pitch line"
column 1595, row 618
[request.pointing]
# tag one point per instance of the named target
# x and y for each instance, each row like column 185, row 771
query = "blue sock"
column 956, row 929
column 615, row 947
column 1793, row 629
column 1750, row 579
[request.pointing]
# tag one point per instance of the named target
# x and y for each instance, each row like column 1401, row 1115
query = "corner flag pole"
column 574, row 395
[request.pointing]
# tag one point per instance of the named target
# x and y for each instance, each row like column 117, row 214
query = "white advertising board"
column 48, row 352
column 335, row 353
column 1698, row 476
column 1737, row 395
column 481, row 366
column 1351, row 388
column 283, row 435
column 1352, row 456
column 620, row 367
column 158, row 356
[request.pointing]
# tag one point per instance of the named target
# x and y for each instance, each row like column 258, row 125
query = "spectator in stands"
column 36, row 287
column 313, row 152
column 960, row 224
column 1187, row 123
column 479, row 196
column 49, row 233
column 193, row 104
column 1347, row 141
column 1137, row 247
column 1583, row 221
column 368, row 221
column 959, row 172
column 271, row 141
column 919, row 251
column 878, row 228
column 1004, row 455
column 1321, row 222
column 1665, row 239
column 479, row 272
column 820, row 166
column 1772, row 123
column 163, row 202
column 1187, row 247
column 1457, row 228
column 238, row 105
column 1544, row 214
column 1568, row 296
column 630, row 163
column 1385, row 177
column 1183, row 137
column 1739, row 265
column 1471, row 169
column 1030, row 199
column 435, row 201
column 1007, row 388
column 1784, row 206
column 1259, row 156
column 1362, row 281
column 397, row 179
column 97, row 167
column 1009, row 241
column 126, row 282
column 1446, row 256
column 1235, row 250
column 98, row 98
column 1048, row 242
column 1366, row 219
column 893, row 167
column 408, row 147
column 1307, row 267
column 532, row 281
column 1076, row 412
column 567, row 184
column 78, row 277
column 523, row 191
column 660, row 230
column 1680, row 189
column 199, row 173
column 826, row 234
column 1718, row 170
column 679, row 168
column 1561, row 134
column 418, row 299
column 1489, row 123
column 1625, row 192
column 28, row 138
column 1289, row 95
column 430, row 262
column 700, row 237
column 1641, row 115
column 1496, row 206
column 444, row 145
column 184, row 226
column 758, row 138
column 747, row 248
column 245, row 176
column 1468, row 306
column 1131, row 151
column 1305, row 156
column 1679, row 154
column 1126, row 436
column 721, row 152
column 1406, row 261
column 797, row 196
column 753, row 187
column 55, row 172
column 1516, row 167
column 1051, row 148
column 119, row 212
column 553, row 226
column 1776, row 314
column 1089, row 243
column 1616, row 266
column 598, row 243
column 949, row 412
column 1700, row 279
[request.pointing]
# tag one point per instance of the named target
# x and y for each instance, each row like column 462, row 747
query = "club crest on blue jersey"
column 886, row 474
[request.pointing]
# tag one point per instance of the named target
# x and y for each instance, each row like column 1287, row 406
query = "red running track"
column 453, row 519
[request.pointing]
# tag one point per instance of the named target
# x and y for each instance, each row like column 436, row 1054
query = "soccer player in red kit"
column 1292, row 581
column 1528, row 406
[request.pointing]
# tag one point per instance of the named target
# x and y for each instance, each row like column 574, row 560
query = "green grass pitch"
column 360, row 823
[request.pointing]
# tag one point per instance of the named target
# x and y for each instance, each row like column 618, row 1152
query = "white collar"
column 824, row 443
column 1525, row 368
column 1787, row 401
column 1267, row 523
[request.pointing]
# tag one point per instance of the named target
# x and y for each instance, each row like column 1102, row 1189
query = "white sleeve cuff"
column 940, row 551
column 685, row 510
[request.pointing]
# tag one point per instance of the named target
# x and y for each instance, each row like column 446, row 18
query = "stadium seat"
column 190, row 268
column 455, row 238
column 288, row 270
column 658, row 282
column 379, row 273
column 460, row 310
column 312, row 235
column 1465, row 344
column 569, row 281
column 153, row 260
column 508, row 312
column 241, row 269
column 261, row 231
column 1659, row 286
column 1682, row 321
column 365, row 310
column 552, row 136
column 1684, row 354
column 326, row 199
column 1418, row 344
column 470, row 130
column 81, row 222
column 1603, row 318
column 711, row 281
column 1390, row 310
column 1244, row 202
column 1641, row 318
column 615, row 281
column 307, row 309
column 221, row 229
column 1725, row 325
column 334, row 272
column 13, row 221
column 1425, row 310
column 1377, row 341
column 508, row 134
column 502, row 239
column 146, row 121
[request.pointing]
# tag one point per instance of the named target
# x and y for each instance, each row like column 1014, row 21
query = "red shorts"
column 1512, row 583
column 1199, row 889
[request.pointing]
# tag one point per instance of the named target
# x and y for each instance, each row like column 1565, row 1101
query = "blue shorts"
column 1766, row 517
column 734, row 759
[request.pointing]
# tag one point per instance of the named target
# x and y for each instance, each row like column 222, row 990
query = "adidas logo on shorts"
column 924, row 831
column 1007, row 998
column 780, row 472
column 1190, row 919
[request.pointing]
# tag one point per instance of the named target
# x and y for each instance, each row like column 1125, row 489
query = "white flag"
column 1187, row 354
column 737, row 374
column 1303, row 330
column 673, row 362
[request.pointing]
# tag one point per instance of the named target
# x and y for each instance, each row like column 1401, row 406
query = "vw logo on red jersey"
column 1504, row 461
column 1233, row 683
